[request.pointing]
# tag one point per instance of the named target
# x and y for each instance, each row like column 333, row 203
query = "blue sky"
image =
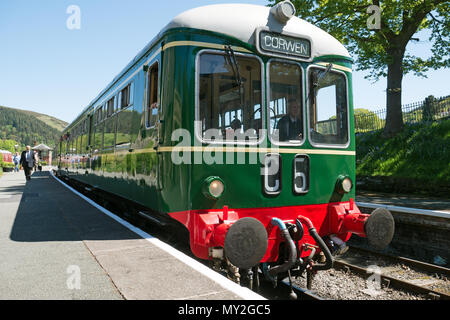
column 47, row 68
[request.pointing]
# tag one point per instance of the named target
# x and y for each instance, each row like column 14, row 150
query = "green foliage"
column 9, row 145
column 25, row 128
column 420, row 151
column 366, row 120
column 347, row 20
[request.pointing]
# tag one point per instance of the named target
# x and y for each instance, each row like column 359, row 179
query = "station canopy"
column 42, row 147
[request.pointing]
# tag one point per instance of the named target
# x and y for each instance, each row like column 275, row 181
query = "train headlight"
column 213, row 187
column 344, row 184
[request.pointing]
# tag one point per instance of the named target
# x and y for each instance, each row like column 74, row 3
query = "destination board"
column 283, row 44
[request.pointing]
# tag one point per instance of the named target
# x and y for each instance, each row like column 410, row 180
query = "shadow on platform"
column 50, row 212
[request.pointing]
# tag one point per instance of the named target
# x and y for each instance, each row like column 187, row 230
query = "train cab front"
column 272, row 179
column 276, row 179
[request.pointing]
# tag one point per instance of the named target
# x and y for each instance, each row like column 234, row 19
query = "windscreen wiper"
column 322, row 75
column 231, row 58
column 317, row 80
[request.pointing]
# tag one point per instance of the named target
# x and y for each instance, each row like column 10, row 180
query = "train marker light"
column 213, row 187
column 344, row 184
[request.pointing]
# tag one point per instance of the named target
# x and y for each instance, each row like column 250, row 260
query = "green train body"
column 148, row 143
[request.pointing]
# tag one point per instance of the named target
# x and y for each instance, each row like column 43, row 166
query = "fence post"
column 427, row 109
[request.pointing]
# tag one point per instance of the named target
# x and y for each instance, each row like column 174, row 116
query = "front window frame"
column 308, row 110
column 197, row 122
column 302, row 104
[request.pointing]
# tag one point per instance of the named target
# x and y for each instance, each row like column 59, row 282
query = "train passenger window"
column 152, row 96
column 98, row 138
column 126, row 96
column 230, row 97
column 84, row 138
column 328, row 107
column 99, row 115
column 110, row 106
column 109, row 133
column 78, row 145
column 286, row 122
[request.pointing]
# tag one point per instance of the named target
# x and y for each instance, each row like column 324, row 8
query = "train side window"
column 98, row 138
column 99, row 115
column 84, row 136
column 328, row 107
column 152, row 96
column 110, row 106
column 125, row 96
column 90, row 129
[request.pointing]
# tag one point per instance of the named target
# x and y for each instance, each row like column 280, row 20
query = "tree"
column 8, row 145
column 383, row 50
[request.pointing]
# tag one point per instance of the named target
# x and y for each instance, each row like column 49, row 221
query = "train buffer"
column 57, row 245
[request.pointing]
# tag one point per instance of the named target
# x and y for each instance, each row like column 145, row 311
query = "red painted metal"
column 208, row 228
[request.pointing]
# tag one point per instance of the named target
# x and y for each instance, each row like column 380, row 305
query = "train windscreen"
column 230, row 97
column 328, row 107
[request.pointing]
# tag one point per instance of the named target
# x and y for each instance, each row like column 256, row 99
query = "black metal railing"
column 431, row 109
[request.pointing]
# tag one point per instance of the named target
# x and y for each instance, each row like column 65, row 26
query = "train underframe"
column 281, row 241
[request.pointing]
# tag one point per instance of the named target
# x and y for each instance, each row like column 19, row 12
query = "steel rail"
column 305, row 294
column 394, row 282
column 416, row 263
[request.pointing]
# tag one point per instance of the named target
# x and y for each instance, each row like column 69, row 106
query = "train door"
column 89, row 129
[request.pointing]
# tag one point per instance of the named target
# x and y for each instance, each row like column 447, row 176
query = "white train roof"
column 241, row 21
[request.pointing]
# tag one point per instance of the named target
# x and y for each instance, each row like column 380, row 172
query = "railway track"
column 410, row 275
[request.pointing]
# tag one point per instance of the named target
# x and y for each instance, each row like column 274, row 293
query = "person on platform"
column 290, row 126
column 36, row 160
column 16, row 160
column 27, row 162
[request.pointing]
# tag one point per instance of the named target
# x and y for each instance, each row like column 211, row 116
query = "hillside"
column 51, row 121
column 416, row 160
column 26, row 127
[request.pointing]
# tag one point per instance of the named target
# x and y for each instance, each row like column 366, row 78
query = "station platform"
column 404, row 200
column 57, row 244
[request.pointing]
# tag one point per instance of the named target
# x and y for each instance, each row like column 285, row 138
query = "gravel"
column 344, row 285
column 339, row 285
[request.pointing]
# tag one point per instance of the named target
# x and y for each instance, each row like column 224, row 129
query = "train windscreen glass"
column 285, row 106
column 230, row 95
column 328, row 107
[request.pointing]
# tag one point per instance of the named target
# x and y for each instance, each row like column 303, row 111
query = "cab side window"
column 152, row 96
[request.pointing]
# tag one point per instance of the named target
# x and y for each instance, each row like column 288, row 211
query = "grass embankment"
column 417, row 160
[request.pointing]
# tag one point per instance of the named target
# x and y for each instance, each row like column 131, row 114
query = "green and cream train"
column 236, row 122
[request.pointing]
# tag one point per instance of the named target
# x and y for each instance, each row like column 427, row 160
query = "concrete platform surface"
column 55, row 245
column 404, row 200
